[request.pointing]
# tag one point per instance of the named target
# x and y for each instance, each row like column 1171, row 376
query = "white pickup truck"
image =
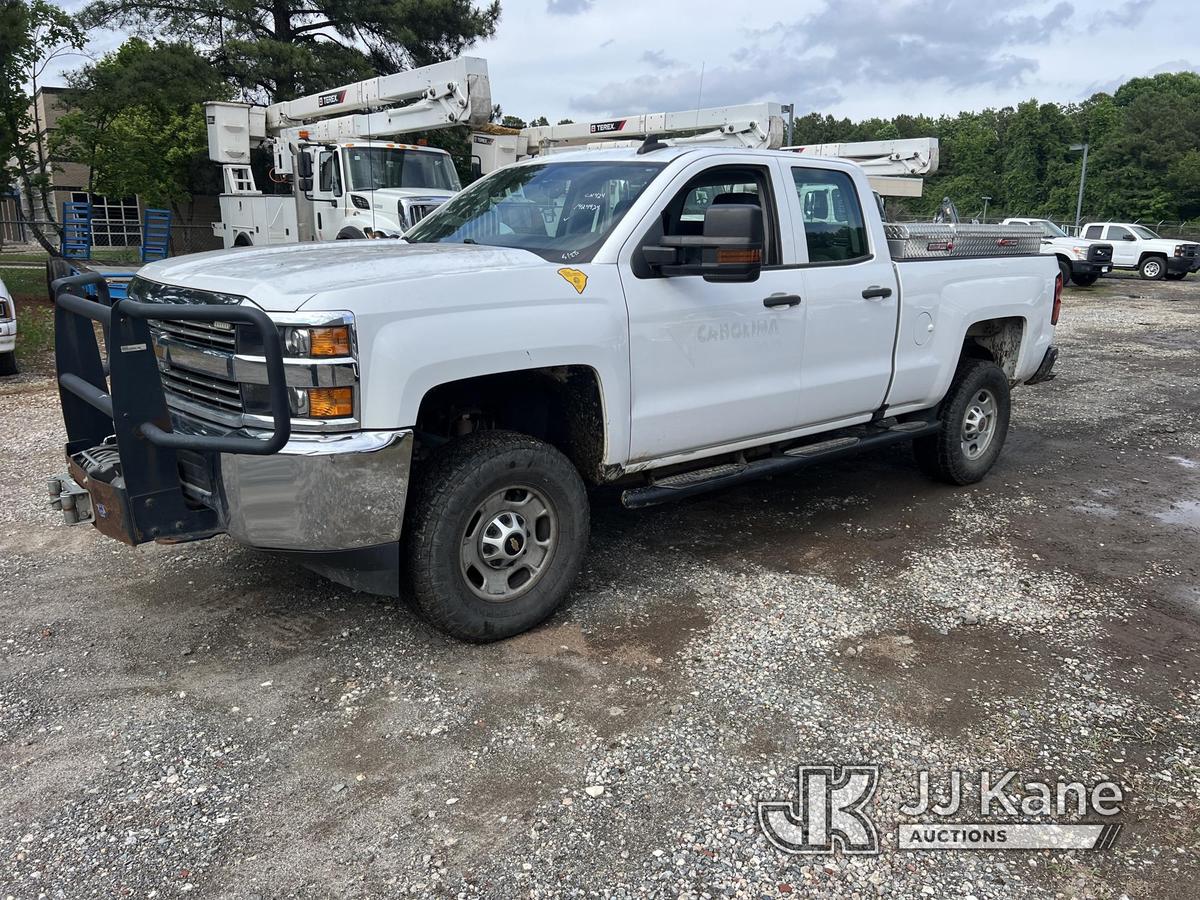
column 1137, row 247
column 424, row 417
column 1081, row 262
column 8, row 332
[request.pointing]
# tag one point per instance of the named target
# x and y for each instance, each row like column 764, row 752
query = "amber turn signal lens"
column 331, row 403
column 729, row 257
column 330, row 341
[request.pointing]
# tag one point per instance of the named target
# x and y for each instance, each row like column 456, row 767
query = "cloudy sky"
column 857, row 58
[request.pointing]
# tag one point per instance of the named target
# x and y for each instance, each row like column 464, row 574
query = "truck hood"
column 283, row 278
column 1070, row 243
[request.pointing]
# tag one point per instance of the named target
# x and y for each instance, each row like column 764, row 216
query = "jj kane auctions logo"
column 832, row 804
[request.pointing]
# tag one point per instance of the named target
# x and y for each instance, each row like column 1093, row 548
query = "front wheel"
column 496, row 533
column 974, row 419
column 1064, row 270
column 1152, row 268
column 1176, row 276
column 1084, row 280
column 8, row 363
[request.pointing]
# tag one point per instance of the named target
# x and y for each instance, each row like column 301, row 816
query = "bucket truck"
column 335, row 156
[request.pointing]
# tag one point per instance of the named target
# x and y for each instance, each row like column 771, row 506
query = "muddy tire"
column 1153, row 268
column 8, row 363
column 1175, row 276
column 974, row 418
column 1084, row 280
column 496, row 532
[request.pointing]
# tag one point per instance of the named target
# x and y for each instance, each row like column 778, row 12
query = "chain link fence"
column 17, row 236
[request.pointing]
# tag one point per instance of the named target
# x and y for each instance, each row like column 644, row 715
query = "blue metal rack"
column 77, row 230
column 156, row 234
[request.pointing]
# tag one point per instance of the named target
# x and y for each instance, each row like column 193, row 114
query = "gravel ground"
column 207, row 719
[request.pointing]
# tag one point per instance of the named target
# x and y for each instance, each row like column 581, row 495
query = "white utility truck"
column 426, row 416
column 334, row 156
column 1137, row 247
column 1080, row 261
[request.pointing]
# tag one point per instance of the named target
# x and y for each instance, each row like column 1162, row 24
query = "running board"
column 698, row 481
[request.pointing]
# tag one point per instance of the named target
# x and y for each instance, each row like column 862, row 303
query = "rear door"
column 851, row 297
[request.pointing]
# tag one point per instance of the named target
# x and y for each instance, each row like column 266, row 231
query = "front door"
column 1125, row 250
column 713, row 363
column 851, row 298
column 327, row 194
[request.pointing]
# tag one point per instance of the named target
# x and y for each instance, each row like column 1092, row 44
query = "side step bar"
column 699, row 481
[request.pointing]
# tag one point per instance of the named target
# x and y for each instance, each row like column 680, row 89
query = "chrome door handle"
column 782, row 300
column 875, row 292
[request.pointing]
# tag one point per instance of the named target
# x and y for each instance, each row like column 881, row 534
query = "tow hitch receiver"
column 122, row 462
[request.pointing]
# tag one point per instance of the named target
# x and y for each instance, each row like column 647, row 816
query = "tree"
column 287, row 48
column 32, row 35
column 136, row 119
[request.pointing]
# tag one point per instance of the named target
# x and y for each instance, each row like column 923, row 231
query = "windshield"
column 1049, row 229
column 560, row 211
column 1144, row 232
column 370, row 168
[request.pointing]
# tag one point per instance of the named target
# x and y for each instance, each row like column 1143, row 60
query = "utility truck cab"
column 1081, row 262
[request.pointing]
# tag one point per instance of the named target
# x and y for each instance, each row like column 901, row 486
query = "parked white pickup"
column 8, row 332
column 1082, row 262
column 1137, row 247
column 670, row 319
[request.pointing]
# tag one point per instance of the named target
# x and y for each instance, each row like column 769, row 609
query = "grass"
column 99, row 254
column 24, row 284
column 35, row 334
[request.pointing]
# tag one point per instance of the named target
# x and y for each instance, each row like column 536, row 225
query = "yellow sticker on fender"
column 575, row 278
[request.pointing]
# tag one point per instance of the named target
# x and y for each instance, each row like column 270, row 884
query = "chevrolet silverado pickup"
column 1081, row 262
column 424, row 417
column 1137, row 247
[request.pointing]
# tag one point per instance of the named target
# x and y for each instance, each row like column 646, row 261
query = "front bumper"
column 1184, row 264
column 318, row 494
column 8, row 336
column 1086, row 267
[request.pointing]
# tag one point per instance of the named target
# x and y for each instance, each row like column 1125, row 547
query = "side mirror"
column 305, row 183
column 304, row 165
column 476, row 168
column 1129, row 237
column 733, row 236
column 730, row 249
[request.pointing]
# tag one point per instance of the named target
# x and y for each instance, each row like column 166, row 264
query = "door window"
column 1117, row 233
column 834, row 228
column 1093, row 233
column 331, row 177
column 720, row 185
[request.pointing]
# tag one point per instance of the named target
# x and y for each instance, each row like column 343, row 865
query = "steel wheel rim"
column 508, row 543
column 979, row 424
column 1153, row 269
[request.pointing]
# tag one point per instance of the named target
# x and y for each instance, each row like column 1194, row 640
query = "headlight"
column 322, row 403
column 1079, row 252
column 1180, row 249
column 317, row 342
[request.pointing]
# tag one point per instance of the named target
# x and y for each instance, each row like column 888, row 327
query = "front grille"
column 200, row 390
column 1100, row 253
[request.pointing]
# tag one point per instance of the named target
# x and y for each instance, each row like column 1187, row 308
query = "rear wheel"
column 8, row 363
column 496, row 533
column 1084, row 280
column 974, row 418
column 1152, row 268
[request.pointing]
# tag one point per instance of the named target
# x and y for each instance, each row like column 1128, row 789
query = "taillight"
column 1058, row 289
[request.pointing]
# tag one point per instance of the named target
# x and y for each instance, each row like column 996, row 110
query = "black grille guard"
column 127, row 403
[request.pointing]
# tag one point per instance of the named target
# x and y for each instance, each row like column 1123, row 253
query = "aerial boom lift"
column 348, row 179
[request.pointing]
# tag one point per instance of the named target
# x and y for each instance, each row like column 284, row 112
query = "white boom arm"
column 753, row 126
column 894, row 168
column 455, row 92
